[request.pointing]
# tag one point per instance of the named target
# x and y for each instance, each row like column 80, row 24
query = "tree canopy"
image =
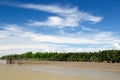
column 106, row 55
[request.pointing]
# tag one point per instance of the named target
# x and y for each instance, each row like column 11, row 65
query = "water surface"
column 84, row 73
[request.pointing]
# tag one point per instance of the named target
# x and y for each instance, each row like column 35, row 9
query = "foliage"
column 106, row 55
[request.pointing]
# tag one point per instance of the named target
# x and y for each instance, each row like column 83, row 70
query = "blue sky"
column 59, row 25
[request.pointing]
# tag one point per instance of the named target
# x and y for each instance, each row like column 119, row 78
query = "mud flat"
column 60, row 71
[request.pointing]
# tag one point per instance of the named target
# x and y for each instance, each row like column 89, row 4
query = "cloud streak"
column 65, row 16
column 88, row 29
column 17, row 32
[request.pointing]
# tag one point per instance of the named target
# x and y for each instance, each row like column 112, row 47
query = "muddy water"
column 83, row 73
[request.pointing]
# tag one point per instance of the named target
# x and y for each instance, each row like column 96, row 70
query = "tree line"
column 101, row 56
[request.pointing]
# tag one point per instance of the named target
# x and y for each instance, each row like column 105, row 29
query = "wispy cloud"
column 88, row 29
column 14, row 34
column 65, row 16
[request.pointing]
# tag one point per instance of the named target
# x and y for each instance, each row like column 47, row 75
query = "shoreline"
column 79, row 65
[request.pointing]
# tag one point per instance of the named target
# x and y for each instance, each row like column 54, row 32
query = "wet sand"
column 60, row 71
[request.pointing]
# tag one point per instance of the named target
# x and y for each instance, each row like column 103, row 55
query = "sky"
column 59, row 25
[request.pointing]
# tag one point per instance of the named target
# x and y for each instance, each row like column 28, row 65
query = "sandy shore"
column 60, row 71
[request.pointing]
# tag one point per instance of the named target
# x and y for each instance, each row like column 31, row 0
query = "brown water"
column 84, row 73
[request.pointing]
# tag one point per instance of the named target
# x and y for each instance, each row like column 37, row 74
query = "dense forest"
column 101, row 56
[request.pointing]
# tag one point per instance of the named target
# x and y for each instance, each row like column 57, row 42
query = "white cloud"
column 48, row 8
column 52, row 21
column 117, row 45
column 98, row 38
column 16, row 35
column 65, row 16
column 88, row 29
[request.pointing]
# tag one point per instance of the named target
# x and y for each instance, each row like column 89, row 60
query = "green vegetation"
column 101, row 56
